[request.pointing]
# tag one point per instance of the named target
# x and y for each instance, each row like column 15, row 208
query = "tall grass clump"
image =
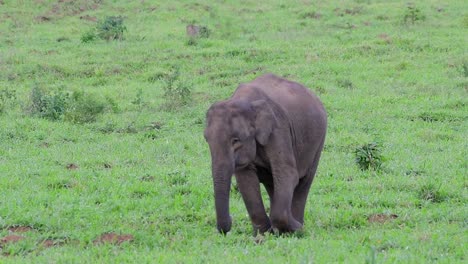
column 83, row 108
column 48, row 104
column 369, row 156
column 76, row 107
column 7, row 96
column 177, row 92
column 109, row 28
column 412, row 15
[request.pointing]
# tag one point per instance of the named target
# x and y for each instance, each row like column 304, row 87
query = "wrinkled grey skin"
column 271, row 131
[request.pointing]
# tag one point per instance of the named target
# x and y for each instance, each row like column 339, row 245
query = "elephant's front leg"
column 249, row 187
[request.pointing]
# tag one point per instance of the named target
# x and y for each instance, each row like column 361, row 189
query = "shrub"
column 88, row 36
column 431, row 193
column 6, row 97
column 369, row 156
column 83, row 108
column 176, row 92
column 76, row 107
column 196, row 32
column 205, row 32
column 111, row 28
column 49, row 105
column 412, row 15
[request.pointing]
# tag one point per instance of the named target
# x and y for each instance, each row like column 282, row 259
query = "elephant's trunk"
column 222, row 173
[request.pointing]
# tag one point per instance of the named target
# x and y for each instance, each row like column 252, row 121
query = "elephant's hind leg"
column 302, row 191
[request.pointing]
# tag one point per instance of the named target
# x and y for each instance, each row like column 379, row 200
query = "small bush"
column 83, row 108
column 176, row 92
column 88, row 36
column 465, row 21
column 205, row 32
column 77, row 107
column 431, row 193
column 49, row 105
column 138, row 101
column 464, row 69
column 369, row 156
column 346, row 83
column 195, row 33
column 6, row 97
column 412, row 15
column 111, row 28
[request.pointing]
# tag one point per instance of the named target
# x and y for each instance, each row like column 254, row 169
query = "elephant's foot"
column 262, row 228
column 289, row 226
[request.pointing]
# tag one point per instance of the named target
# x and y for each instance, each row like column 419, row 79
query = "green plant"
column 176, row 92
column 195, row 33
column 6, row 97
column 369, row 156
column 465, row 21
column 83, row 108
column 138, row 101
column 413, row 14
column 464, row 69
column 111, row 28
column 204, row 32
column 76, row 107
column 88, row 36
column 431, row 193
column 48, row 104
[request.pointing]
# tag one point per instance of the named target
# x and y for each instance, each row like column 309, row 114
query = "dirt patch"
column 113, row 238
column 72, row 166
column 381, row 218
column 384, row 37
column 48, row 243
column 20, row 229
column 89, row 18
column 11, row 239
column 64, row 8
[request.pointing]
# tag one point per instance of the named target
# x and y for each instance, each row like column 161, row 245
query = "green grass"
column 144, row 169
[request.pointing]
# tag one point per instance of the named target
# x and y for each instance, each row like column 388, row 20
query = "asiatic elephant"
column 270, row 131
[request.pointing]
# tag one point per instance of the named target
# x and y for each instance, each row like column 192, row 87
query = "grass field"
column 102, row 155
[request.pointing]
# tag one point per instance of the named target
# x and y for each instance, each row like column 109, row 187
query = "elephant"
column 270, row 131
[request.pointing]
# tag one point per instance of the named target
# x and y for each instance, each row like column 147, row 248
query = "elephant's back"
column 292, row 96
column 306, row 114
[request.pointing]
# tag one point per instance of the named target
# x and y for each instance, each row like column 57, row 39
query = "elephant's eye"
column 235, row 142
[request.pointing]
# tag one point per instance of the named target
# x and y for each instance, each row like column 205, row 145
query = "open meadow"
column 102, row 112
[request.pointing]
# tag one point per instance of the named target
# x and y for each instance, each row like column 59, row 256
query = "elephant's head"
column 233, row 129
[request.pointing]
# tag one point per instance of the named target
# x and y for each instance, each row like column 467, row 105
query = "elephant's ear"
column 265, row 121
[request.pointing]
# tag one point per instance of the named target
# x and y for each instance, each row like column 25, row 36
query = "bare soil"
column 381, row 218
column 113, row 238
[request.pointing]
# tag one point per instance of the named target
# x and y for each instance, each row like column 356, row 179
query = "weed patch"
column 51, row 105
column 195, row 33
column 7, row 98
column 369, row 156
column 432, row 193
column 76, row 107
column 177, row 92
column 311, row 15
column 83, row 108
column 346, row 83
column 438, row 116
column 110, row 28
column 412, row 15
